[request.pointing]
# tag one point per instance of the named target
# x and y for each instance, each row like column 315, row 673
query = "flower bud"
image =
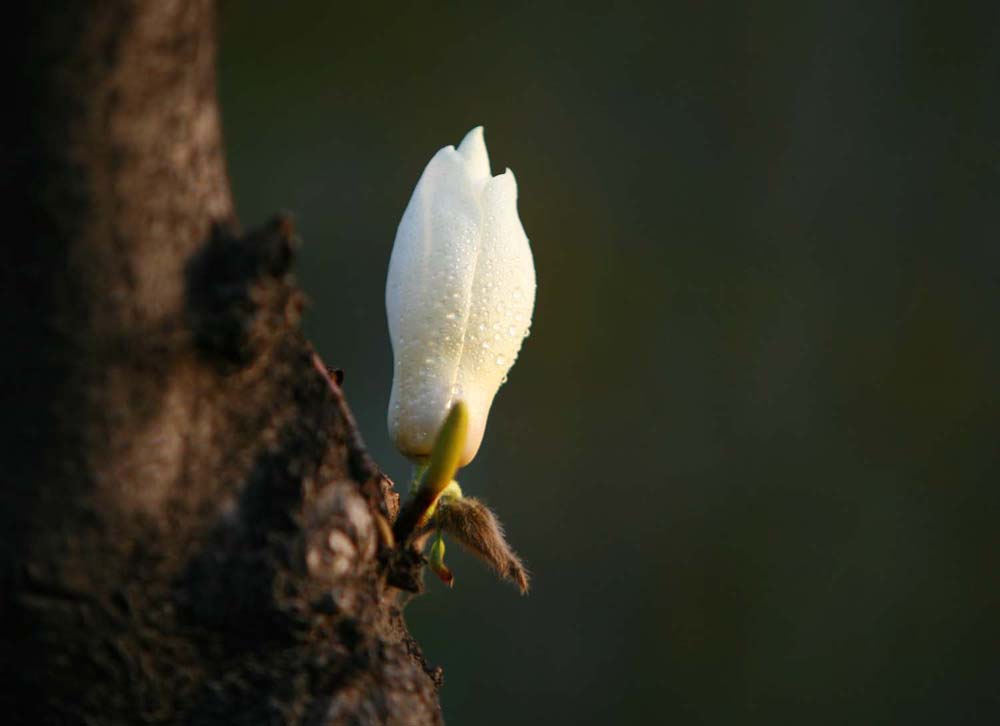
column 459, row 296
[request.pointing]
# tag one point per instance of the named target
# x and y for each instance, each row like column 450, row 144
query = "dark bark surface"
column 190, row 530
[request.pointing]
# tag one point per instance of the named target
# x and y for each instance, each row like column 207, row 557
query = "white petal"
column 427, row 297
column 502, row 300
column 473, row 150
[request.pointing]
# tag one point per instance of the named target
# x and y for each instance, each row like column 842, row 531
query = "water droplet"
column 500, row 360
column 450, row 316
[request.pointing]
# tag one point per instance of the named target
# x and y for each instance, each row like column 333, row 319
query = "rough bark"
column 189, row 525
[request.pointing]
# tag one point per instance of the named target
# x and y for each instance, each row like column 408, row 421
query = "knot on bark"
column 239, row 292
column 339, row 538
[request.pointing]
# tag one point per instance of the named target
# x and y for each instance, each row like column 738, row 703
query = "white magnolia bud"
column 459, row 296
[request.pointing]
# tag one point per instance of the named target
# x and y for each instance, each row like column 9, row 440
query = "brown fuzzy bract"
column 475, row 527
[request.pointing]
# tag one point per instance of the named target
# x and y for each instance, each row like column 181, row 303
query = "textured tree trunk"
column 190, row 529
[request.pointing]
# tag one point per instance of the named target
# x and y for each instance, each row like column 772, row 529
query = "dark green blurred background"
column 750, row 450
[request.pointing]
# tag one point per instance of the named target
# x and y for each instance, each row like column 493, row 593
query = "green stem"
column 417, row 475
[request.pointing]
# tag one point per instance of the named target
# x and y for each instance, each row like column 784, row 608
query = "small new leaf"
column 437, row 562
column 447, row 450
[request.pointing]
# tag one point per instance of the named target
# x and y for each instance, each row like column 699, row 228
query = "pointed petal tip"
column 472, row 141
column 476, row 132
column 449, row 151
column 505, row 183
column 473, row 150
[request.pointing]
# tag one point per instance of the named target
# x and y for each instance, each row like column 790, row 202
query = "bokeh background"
column 750, row 450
